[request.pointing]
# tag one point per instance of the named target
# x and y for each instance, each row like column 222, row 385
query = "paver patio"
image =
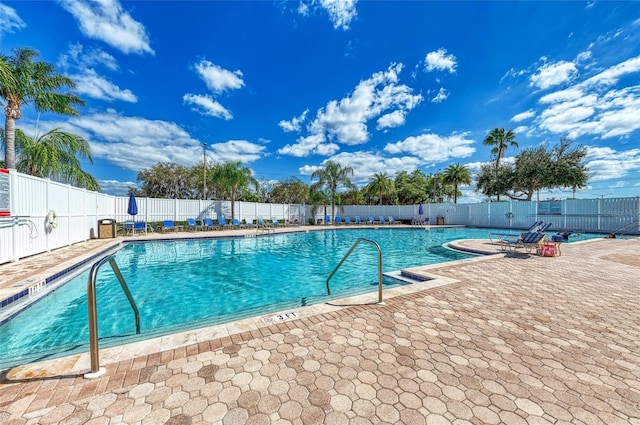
column 513, row 340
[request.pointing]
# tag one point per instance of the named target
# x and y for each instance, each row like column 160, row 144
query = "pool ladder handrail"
column 96, row 370
column 624, row 230
column 357, row 242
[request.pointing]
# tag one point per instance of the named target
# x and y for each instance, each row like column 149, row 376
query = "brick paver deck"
column 514, row 340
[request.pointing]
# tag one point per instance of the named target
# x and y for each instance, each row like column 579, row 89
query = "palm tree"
column 457, row 174
column 233, row 177
column 500, row 140
column 329, row 178
column 54, row 155
column 317, row 197
column 23, row 81
column 381, row 185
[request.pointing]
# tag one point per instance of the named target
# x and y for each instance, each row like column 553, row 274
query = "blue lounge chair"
column 382, row 220
column 262, row 223
column 528, row 241
column 235, row 223
column 327, row 219
column 140, row 227
column 222, row 223
column 127, row 227
column 545, row 227
column 357, row 220
column 192, row 225
column 276, row 223
column 207, row 224
column 500, row 236
column 370, row 220
column 347, row 220
column 338, row 220
column 168, row 225
column 391, row 220
column 130, row 227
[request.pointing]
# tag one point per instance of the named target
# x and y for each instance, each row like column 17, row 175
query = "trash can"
column 106, row 228
column 440, row 221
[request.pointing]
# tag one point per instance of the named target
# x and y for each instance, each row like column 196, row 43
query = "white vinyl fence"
column 24, row 232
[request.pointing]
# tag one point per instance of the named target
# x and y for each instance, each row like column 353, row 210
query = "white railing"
column 24, row 232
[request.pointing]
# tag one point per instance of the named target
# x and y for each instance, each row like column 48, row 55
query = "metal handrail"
column 96, row 370
column 626, row 227
column 357, row 242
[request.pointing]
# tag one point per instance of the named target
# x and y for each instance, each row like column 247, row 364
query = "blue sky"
column 379, row 86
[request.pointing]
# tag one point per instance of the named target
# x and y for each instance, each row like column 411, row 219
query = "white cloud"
column 9, row 20
column 440, row 61
column 81, row 58
column 433, row 147
column 613, row 74
column 303, row 9
column 294, row 123
column 106, row 20
column 366, row 164
column 312, row 144
column 441, row 96
column 206, row 105
column 88, row 81
column 553, row 74
column 115, row 187
column 583, row 56
column 341, row 12
column 605, row 163
column 592, row 107
column 217, row 78
column 97, row 87
column 392, row 119
column 135, row 143
column 523, row 116
column 345, row 121
column 236, row 150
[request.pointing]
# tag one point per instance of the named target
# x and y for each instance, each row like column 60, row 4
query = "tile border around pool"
column 34, row 285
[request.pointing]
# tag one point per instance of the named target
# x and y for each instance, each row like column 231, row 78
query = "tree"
column 379, row 186
column 500, row 139
column 456, row 175
column 436, row 189
column 492, row 181
column 411, row 188
column 234, row 178
column 290, row 191
column 330, row 178
column 317, row 197
column 353, row 197
column 167, row 180
column 535, row 169
column 54, row 155
column 22, row 82
column 569, row 165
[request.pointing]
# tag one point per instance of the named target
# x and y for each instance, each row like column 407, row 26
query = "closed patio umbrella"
column 132, row 209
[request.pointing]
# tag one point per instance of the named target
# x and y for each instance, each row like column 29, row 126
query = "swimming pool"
column 187, row 284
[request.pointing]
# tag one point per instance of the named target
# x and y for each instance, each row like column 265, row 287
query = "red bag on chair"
column 548, row 250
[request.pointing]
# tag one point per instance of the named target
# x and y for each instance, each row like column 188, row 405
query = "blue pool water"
column 187, row 284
